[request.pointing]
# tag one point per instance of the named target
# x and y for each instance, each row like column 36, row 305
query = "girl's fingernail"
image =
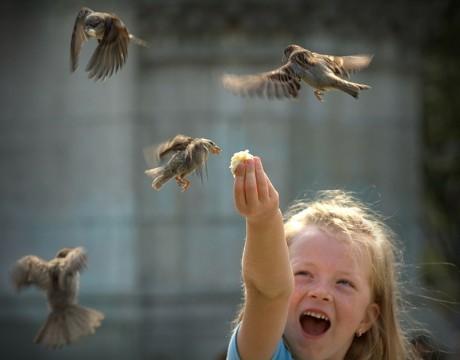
column 249, row 164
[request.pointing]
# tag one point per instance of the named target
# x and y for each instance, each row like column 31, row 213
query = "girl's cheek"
column 297, row 285
column 300, row 289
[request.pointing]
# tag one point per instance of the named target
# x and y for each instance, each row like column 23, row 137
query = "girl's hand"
column 255, row 197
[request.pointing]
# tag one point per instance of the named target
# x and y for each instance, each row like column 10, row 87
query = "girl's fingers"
column 261, row 180
column 271, row 190
column 250, row 183
column 238, row 187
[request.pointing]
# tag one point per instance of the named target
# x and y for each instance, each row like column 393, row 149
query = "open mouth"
column 314, row 323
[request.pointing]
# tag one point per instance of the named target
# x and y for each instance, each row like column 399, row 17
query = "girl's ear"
column 371, row 316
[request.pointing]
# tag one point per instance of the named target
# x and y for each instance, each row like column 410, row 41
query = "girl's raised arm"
column 266, row 270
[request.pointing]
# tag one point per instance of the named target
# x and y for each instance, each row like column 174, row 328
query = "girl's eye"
column 345, row 282
column 302, row 273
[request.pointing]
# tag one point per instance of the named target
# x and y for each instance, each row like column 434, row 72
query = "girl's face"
column 332, row 299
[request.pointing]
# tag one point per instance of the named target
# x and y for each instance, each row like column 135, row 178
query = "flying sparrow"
column 188, row 155
column 322, row 72
column 59, row 278
column 113, row 38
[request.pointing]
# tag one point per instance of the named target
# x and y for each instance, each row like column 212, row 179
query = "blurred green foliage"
column 441, row 155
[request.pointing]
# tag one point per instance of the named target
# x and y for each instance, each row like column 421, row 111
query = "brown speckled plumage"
column 322, row 72
column 59, row 278
column 187, row 155
column 113, row 38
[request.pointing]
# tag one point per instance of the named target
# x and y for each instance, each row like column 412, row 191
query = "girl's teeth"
column 316, row 315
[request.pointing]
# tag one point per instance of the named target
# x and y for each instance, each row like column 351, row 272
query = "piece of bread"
column 237, row 158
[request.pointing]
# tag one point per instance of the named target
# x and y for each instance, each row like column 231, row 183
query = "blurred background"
column 165, row 266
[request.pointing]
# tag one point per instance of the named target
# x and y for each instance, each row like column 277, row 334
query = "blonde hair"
column 339, row 212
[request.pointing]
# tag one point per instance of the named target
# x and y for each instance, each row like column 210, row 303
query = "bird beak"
column 216, row 150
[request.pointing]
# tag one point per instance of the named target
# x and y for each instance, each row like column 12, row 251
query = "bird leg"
column 187, row 185
column 319, row 94
column 179, row 181
column 183, row 183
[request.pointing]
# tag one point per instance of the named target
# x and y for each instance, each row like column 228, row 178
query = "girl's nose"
column 319, row 292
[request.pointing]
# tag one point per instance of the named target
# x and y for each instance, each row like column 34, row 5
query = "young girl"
column 323, row 286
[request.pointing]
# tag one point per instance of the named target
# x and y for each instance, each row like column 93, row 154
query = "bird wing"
column 75, row 261
column 31, row 270
column 343, row 66
column 78, row 36
column 112, row 51
column 279, row 83
column 177, row 143
column 195, row 157
column 199, row 169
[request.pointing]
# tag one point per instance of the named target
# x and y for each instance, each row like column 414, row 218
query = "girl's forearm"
column 266, row 266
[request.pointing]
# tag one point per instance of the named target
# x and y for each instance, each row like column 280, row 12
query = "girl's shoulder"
column 281, row 352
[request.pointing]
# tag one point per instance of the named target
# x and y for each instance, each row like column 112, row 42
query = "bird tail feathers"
column 352, row 88
column 64, row 326
column 159, row 177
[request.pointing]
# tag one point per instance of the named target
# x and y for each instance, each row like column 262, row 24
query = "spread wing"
column 31, row 270
column 112, row 51
column 283, row 82
column 75, row 261
column 177, row 143
column 343, row 66
column 78, row 37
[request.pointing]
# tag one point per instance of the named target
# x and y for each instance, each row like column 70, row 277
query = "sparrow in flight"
column 59, row 278
column 188, row 155
column 113, row 38
column 322, row 72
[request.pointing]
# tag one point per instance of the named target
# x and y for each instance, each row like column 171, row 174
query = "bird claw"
column 183, row 183
column 319, row 95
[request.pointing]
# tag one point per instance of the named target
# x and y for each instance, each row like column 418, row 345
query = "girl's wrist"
column 267, row 218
